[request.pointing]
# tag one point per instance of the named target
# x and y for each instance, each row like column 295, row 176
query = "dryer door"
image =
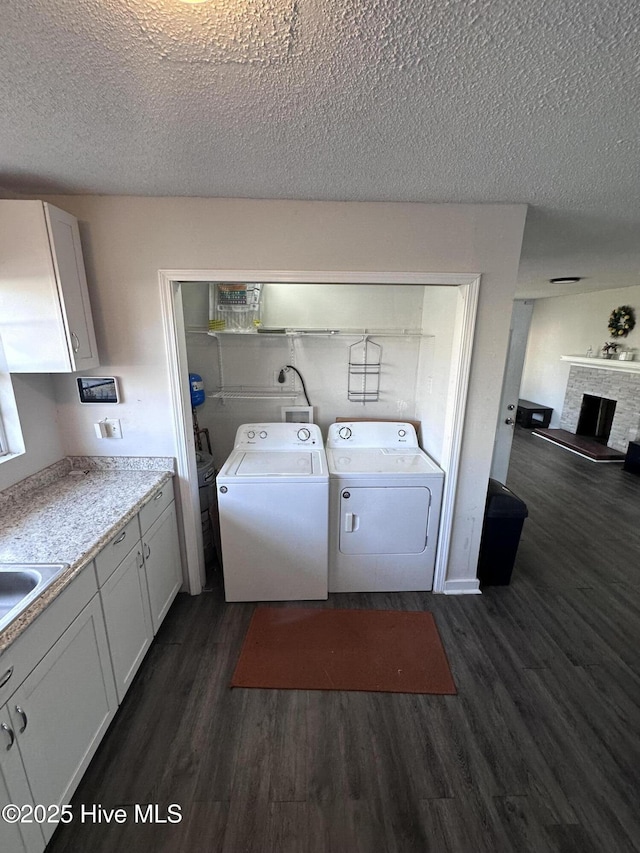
column 378, row 520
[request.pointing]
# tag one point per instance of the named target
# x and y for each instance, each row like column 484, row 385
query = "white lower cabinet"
column 14, row 789
column 63, row 678
column 62, row 710
column 162, row 564
column 125, row 602
column 138, row 580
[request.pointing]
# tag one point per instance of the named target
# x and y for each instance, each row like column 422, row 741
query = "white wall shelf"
column 240, row 393
column 603, row 363
column 300, row 333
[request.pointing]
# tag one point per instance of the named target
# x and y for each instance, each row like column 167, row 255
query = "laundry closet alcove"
column 420, row 325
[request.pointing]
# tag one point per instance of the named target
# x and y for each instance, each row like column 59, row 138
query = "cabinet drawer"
column 116, row 550
column 36, row 640
column 155, row 506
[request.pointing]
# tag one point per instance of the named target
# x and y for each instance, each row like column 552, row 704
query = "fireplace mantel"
column 603, row 363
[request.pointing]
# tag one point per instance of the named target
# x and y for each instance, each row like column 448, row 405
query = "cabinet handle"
column 120, row 538
column 148, row 554
column 12, row 737
column 20, row 711
column 158, row 496
column 6, row 676
column 76, row 342
column 141, row 563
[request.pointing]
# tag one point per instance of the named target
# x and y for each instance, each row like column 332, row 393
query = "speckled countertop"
column 67, row 513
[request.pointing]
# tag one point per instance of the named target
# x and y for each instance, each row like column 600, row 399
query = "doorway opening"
column 460, row 335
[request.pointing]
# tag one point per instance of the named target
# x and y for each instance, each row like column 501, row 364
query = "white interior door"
column 518, row 336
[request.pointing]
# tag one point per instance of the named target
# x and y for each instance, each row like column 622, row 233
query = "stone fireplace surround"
column 619, row 384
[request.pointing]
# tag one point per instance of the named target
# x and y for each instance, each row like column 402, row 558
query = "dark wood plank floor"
column 539, row 751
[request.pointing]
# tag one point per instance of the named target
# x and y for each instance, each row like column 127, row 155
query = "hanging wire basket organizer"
column 365, row 358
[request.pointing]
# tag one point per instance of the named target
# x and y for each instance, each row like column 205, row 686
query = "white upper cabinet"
column 45, row 315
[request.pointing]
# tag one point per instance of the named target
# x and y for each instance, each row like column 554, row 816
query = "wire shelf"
column 244, row 393
column 317, row 333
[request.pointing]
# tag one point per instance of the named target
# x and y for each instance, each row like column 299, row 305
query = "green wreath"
column 622, row 321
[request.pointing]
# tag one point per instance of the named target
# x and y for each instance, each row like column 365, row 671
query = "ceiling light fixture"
column 569, row 279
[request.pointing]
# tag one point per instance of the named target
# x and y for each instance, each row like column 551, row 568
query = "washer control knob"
column 263, row 433
column 344, row 432
column 304, row 434
column 251, row 434
column 402, row 433
column 346, row 495
column 224, row 490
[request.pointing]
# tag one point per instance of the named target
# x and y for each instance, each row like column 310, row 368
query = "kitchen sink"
column 21, row 584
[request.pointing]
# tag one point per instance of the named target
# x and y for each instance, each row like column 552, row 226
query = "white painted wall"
column 127, row 240
column 569, row 325
column 373, row 306
column 255, row 360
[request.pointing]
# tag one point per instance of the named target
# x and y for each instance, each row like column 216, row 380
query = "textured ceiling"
column 376, row 100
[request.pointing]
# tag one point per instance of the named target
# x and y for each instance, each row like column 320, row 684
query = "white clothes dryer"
column 385, row 501
column 273, row 503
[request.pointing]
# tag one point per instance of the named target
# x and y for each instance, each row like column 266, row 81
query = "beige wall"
column 127, row 240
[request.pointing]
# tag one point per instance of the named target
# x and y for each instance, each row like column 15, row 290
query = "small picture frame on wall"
column 98, row 389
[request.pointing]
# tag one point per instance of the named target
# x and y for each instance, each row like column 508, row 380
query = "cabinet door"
column 66, row 252
column 14, row 788
column 125, row 602
column 45, row 317
column 162, row 564
column 67, row 703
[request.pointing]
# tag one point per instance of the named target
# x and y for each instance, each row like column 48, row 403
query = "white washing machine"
column 273, row 503
column 385, row 500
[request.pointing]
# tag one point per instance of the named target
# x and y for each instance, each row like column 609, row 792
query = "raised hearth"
column 587, row 447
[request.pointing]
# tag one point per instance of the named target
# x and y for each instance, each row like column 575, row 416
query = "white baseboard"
column 468, row 586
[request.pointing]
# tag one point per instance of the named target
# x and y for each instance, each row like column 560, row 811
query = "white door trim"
column 462, row 349
column 187, row 494
column 174, row 331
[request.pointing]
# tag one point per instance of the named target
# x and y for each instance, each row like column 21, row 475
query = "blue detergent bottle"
column 197, row 389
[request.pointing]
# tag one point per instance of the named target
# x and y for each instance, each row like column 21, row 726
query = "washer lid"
column 268, row 462
column 380, row 460
column 275, row 463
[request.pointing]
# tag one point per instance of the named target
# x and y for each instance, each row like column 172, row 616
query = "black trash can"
column 504, row 517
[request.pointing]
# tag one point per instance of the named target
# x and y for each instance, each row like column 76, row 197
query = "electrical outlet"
column 114, row 428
